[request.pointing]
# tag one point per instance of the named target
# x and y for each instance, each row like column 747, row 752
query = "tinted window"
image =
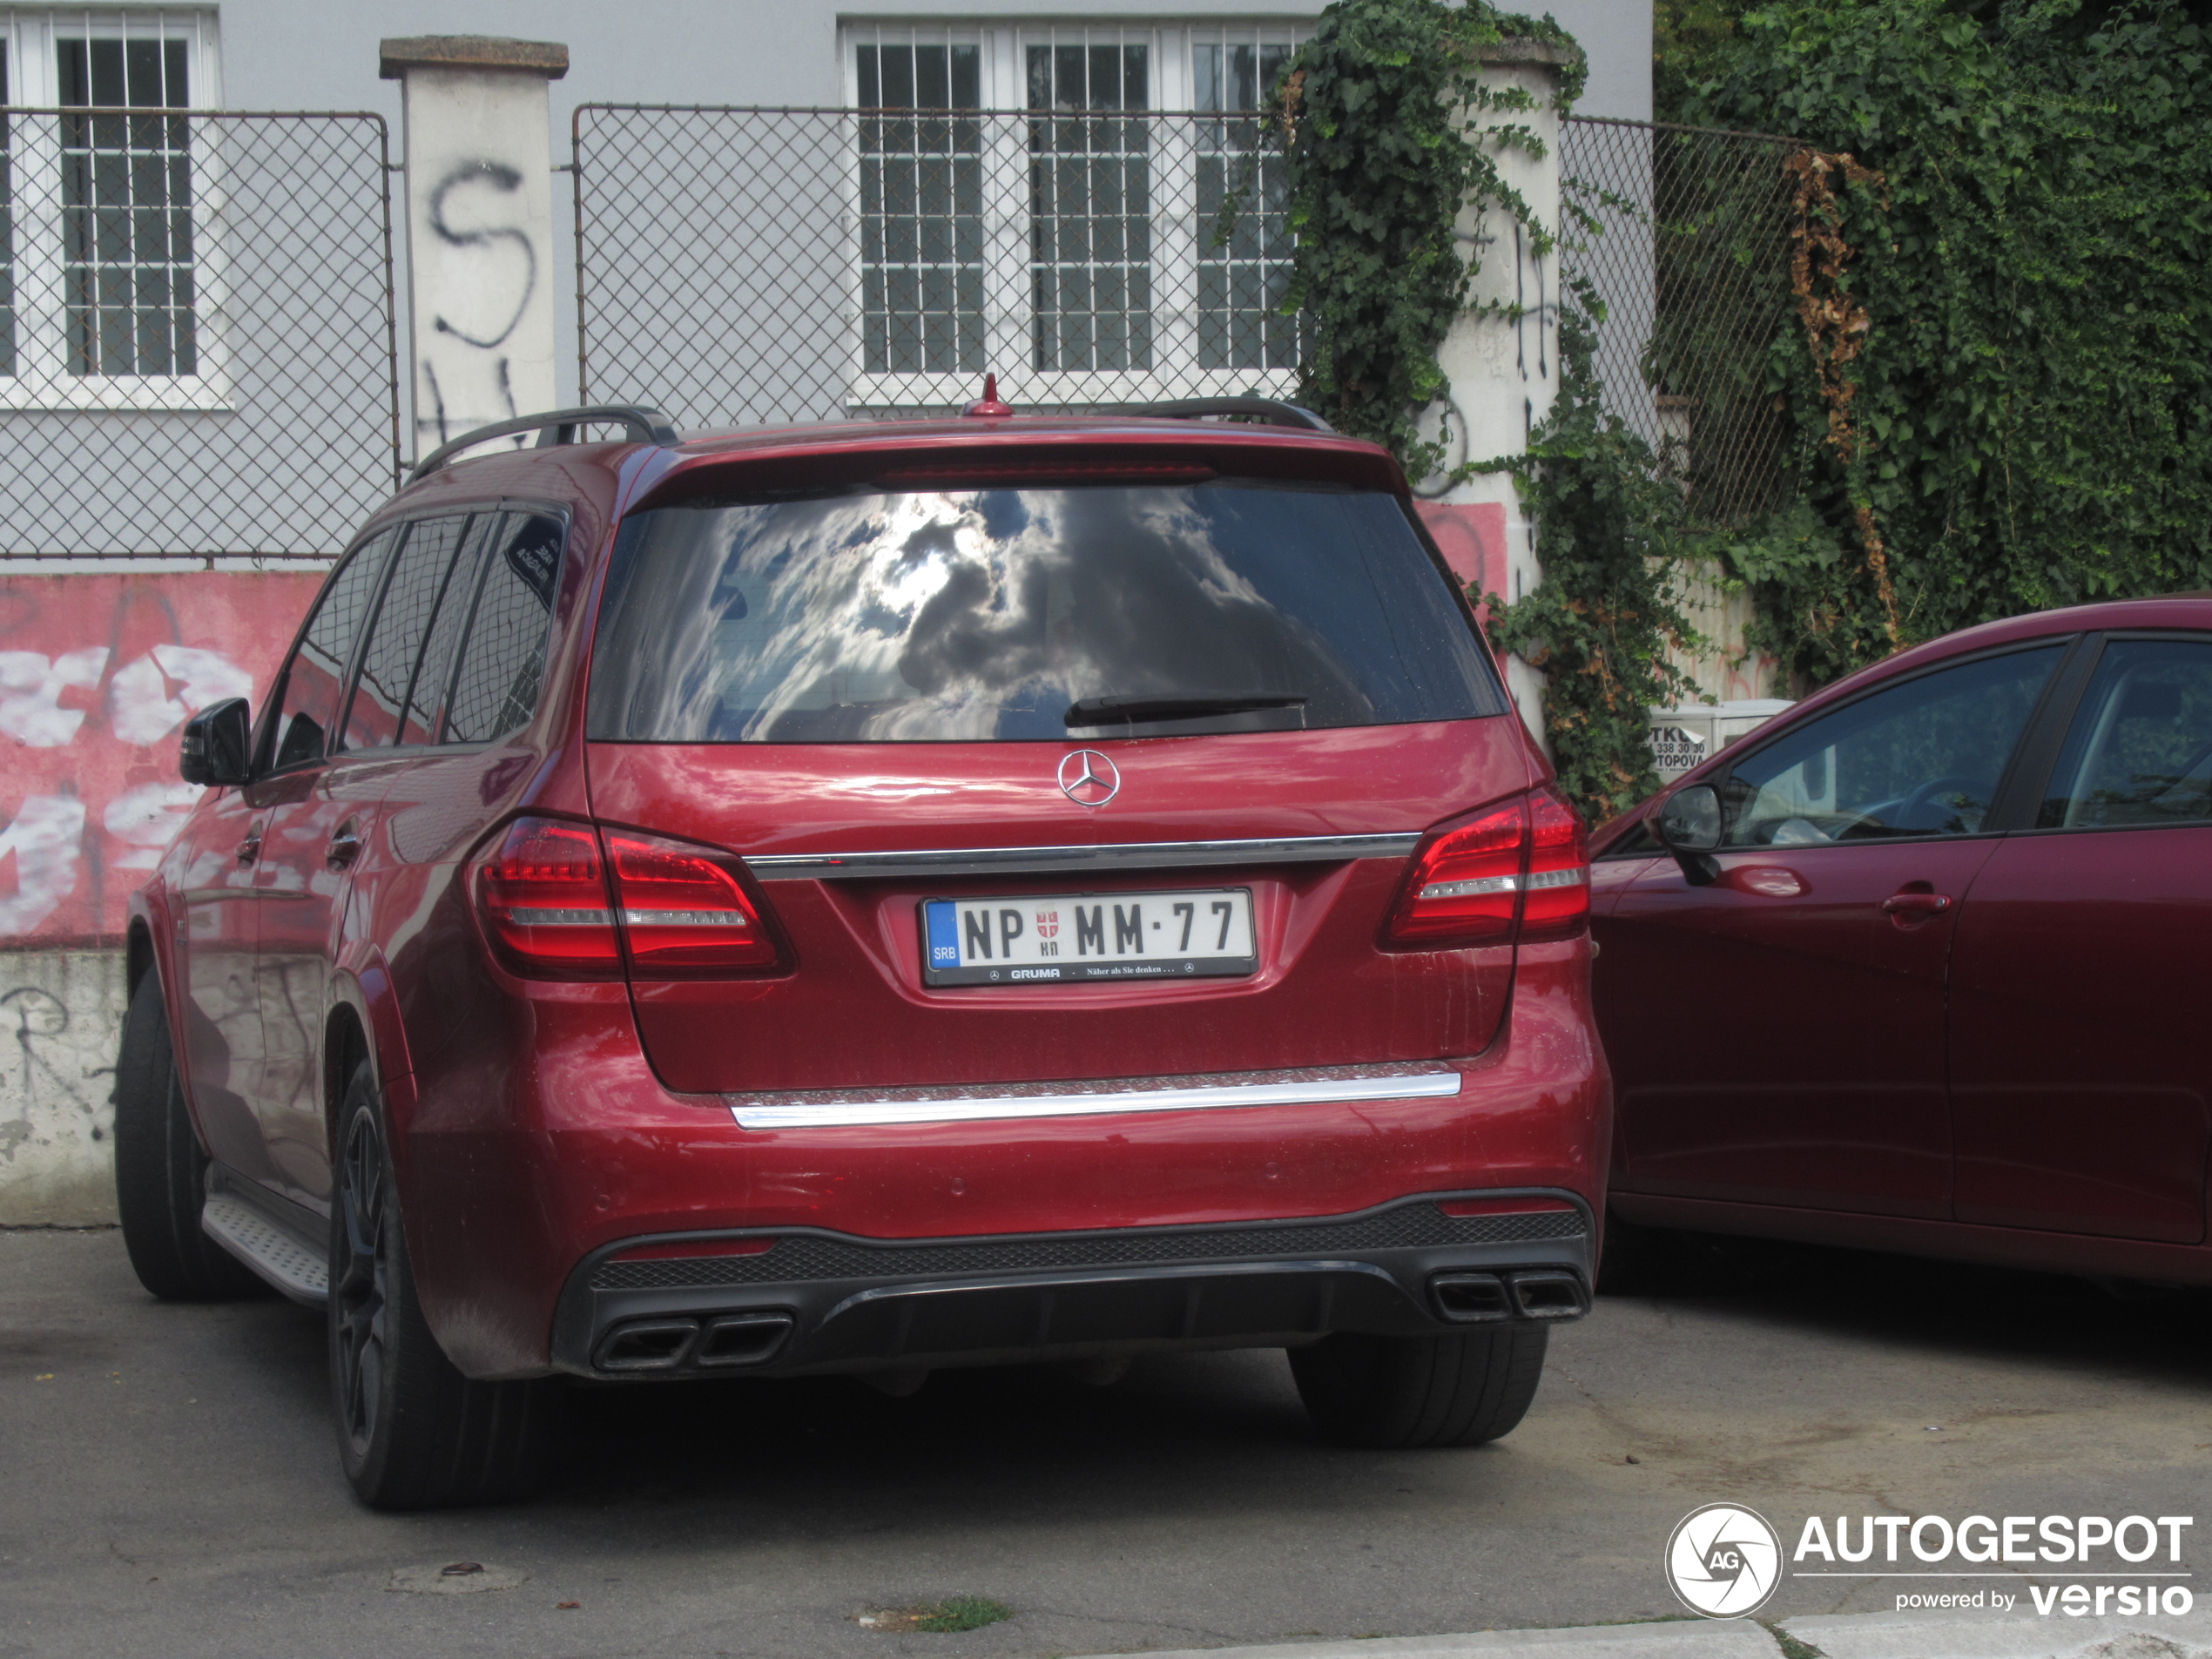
column 317, row 672
column 2140, row 751
column 504, row 659
column 395, row 637
column 980, row 614
column 434, row 675
column 1922, row 757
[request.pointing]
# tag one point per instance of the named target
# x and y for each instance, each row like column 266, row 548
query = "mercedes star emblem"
column 1089, row 778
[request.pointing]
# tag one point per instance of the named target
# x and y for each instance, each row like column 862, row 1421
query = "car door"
column 1777, row 1035
column 2078, row 1066
column 224, row 1038
column 323, row 812
column 467, row 701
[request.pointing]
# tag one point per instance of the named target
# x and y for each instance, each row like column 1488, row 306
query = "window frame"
column 468, row 517
column 2017, row 781
column 1175, row 261
column 262, row 747
column 2063, row 706
column 42, row 379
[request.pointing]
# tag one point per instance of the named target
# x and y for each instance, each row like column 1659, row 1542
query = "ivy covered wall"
column 2010, row 292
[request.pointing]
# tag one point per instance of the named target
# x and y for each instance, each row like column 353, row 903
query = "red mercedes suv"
column 867, row 897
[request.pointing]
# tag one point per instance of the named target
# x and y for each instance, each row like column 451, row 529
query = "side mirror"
column 1689, row 825
column 216, row 740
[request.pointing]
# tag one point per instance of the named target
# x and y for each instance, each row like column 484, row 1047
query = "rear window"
column 1036, row 615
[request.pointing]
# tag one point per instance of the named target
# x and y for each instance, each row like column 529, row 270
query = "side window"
column 2139, row 749
column 504, row 660
column 1922, row 757
column 316, row 675
column 434, row 676
column 403, row 618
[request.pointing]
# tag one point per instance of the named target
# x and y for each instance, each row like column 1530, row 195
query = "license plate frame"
column 1008, row 973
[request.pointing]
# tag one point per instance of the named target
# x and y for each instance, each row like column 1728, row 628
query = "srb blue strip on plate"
column 944, row 933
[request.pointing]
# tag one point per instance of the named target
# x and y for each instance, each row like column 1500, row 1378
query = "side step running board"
column 276, row 1255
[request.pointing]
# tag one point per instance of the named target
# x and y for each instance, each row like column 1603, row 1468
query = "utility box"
column 1687, row 737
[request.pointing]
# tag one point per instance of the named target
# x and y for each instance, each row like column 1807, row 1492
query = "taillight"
column 1520, row 868
column 1558, row 900
column 684, row 911
column 555, row 906
column 543, row 894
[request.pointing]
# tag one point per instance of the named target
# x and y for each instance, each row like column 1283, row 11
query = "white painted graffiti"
column 31, row 694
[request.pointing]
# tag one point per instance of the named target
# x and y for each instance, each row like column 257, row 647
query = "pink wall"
column 98, row 674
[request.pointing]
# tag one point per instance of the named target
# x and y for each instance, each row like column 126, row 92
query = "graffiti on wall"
column 98, row 673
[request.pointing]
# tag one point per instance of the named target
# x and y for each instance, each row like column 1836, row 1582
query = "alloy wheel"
column 360, row 1281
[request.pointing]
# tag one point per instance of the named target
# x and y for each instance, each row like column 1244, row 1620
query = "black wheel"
column 1456, row 1390
column 160, row 1172
column 413, row 1433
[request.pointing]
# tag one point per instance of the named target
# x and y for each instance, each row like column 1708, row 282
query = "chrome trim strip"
column 1048, row 860
column 1430, row 1085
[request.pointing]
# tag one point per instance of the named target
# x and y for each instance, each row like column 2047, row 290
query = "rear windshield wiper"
column 1115, row 710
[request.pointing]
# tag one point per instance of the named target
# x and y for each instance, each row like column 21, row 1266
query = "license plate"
column 1083, row 938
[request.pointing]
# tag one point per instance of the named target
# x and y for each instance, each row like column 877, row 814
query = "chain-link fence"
column 738, row 266
column 1684, row 234
column 196, row 345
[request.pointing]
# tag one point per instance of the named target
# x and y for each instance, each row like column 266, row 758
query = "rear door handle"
column 346, row 847
column 1916, row 907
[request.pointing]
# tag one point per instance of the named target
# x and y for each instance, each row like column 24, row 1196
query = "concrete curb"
column 1903, row 1636
column 1851, row 1636
column 1671, row 1639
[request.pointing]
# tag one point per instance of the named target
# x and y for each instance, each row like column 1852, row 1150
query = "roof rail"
column 1267, row 410
column 557, row 427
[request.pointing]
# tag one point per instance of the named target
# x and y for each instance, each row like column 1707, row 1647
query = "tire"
column 160, row 1172
column 413, row 1433
column 1399, row 1391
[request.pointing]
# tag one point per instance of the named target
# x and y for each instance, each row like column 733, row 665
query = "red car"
column 1918, row 966
column 869, row 898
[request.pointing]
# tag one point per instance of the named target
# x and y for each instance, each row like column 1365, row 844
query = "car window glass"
column 504, row 659
column 965, row 615
column 1921, row 758
column 434, row 674
column 316, row 674
column 2139, row 749
column 395, row 637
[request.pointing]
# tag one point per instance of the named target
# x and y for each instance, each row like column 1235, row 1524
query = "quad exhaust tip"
column 724, row 1341
column 1486, row 1299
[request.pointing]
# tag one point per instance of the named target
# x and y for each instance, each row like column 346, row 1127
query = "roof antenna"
column 988, row 406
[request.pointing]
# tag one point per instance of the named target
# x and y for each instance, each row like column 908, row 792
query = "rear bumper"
column 817, row 1301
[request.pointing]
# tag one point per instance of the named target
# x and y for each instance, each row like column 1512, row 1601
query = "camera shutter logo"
column 1724, row 1560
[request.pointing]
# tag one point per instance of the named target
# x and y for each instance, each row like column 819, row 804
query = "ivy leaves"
column 1381, row 164
column 2034, row 395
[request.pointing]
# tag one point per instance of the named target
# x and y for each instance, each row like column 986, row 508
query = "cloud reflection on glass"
column 984, row 614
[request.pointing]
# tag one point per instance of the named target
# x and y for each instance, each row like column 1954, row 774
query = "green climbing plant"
column 1615, row 540
column 1377, row 110
column 2000, row 383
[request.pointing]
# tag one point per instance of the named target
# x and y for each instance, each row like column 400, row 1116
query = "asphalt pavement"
column 170, row 1487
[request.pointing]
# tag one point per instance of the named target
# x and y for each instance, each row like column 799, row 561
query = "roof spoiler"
column 559, row 427
column 1265, row 410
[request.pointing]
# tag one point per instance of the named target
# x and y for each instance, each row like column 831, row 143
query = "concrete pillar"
column 1504, row 370
column 476, row 131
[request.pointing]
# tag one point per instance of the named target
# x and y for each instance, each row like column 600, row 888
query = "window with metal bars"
column 104, row 273
column 1044, row 200
column 1242, row 282
column 1090, row 205
column 127, row 207
column 921, row 207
